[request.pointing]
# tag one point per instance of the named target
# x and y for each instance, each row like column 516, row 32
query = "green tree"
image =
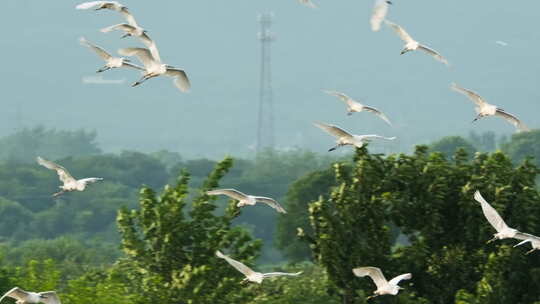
column 170, row 252
column 524, row 145
column 450, row 144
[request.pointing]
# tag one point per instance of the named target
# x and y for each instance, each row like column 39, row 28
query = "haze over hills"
column 216, row 43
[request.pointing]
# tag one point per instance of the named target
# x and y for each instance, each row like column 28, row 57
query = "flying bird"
column 308, row 3
column 110, row 5
column 70, row 183
column 383, row 286
column 535, row 243
column 28, row 297
column 413, row 45
column 380, row 9
column 503, row 231
column 154, row 67
column 244, row 199
column 252, row 276
column 110, row 61
column 345, row 138
column 485, row 109
column 355, row 106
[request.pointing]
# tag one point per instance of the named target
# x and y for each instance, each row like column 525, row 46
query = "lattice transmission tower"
column 265, row 127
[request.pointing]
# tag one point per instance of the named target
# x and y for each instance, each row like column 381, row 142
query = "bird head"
column 405, row 50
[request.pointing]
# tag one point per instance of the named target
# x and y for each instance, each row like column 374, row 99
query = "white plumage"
column 110, row 61
column 29, row 297
column 484, row 109
column 413, row 45
column 383, row 286
column 70, row 183
column 346, row 138
column 534, row 240
column 355, row 106
column 244, row 199
column 251, row 275
column 380, row 9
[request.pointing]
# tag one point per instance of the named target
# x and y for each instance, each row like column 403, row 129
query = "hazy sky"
column 215, row 41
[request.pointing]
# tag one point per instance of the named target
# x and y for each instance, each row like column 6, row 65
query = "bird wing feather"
column 379, row 13
column 374, row 273
column 433, row 53
column 142, row 54
column 151, row 45
column 90, row 4
column 15, row 293
column 373, row 136
column 120, row 26
column 63, row 174
column 181, row 80
column 270, row 202
column 512, row 119
column 50, row 297
column 332, row 130
column 396, row 280
column 90, row 180
column 128, row 16
column 477, row 99
column 378, row 113
column 99, row 51
column 276, row 274
column 490, row 213
column 232, row 193
column 239, row 266
column 400, row 31
column 131, row 65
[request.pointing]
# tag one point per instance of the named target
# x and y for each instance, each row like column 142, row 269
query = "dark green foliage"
column 430, row 200
column 450, row 144
column 524, row 145
column 170, row 252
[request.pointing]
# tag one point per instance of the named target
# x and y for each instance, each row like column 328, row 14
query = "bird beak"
column 403, row 51
column 389, row 2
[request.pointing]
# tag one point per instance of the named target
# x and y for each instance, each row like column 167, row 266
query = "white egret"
column 28, row 297
column 380, row 9
column 383, row 286
column 534, row 240
column 252, row 276
column 413, row 45
column 308, row 3
column 345, row 138
column 355, row 106
column 110, row 61
column 154, row 68
column 70, row 183
column 110, row 5
column 485, row 109
column 503, row 231
column 244, row 199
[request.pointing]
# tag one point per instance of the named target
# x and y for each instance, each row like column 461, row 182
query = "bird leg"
column 349, row 113
column 103, row 69
column 143, row 79
column 334, row 148
column 126, row 35
column 493, row 239
column 530, row 251
column 477, row 118
column 371, row 297
column 244, row 281
column 405, row 50
column 59, row 193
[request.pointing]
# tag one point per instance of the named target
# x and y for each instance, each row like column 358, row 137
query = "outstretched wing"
column 232, row 193
column 181, row 81
column 378, row 113
column 49, row 297
column 142, row 54
column 129, row 17
column 90, row 180
column 120, row 26
column 239, row 266
column 512, row 119
column 332, row 130
column 339, row 95
column 270, row 202
column 277, row 274
column 99, row 51
column 374, row 273
column 15, row 293
column 63, row 174
column 396, row 280
column 133, row 66
column 151, row 45
column 373, row 136
column 490, row 213
column 477, row 99
column 433, row 53
column 90, row 4
column 379, row 13
column 526, row 237
column 400, row 31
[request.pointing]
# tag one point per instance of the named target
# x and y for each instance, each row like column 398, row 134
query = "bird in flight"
column 485, row 109
column 383, row 286
column 110, row 61
column 355, row 106
column 380, row 9
column 28, row 297
column 70, row 183
column 535, row 243
column 503, row 231
column 244, row 199
column 413, row 45
column 252, row 276
column 346, row 138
